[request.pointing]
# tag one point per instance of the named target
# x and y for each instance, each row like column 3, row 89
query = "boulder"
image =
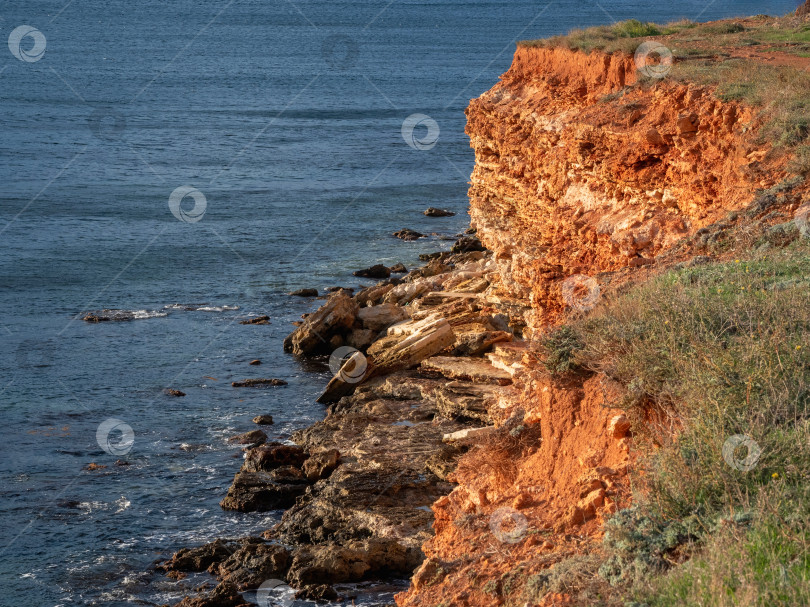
column 398, row 269
column 305, row 293
column 252, row 564
column 272, row 456
column 200, row 558
column 408, row 234
column 263, row 491
column 259, row 320
column 254, row 437
column 263, row 420
column 375, row 271
column 320, row 465
column 173, row 392
column 465, row 244
column 434, row 212
column 334, row 317
column 377, row 318
column 225, row 594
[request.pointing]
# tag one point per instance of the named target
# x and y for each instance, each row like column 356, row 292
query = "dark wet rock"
column 335, row 317
column 322, row 593
column 263, row 420
column 92, row 467
column 258, row 383
column 173, row 392
column 333, row 563
column 254, row 437
column 305, row 293
column 259, row 320
column 398, row 269
column 375, row 271
column 252, row 564
column 467, row 244
column 263, row 491
column 225, row 594
column 408, row 234
column 121, row 463
column 274, row 455
column 320, row 465
column 113, row 315
column 255, row 362
column 434, row 212
column 336, row 289
column 201, row 557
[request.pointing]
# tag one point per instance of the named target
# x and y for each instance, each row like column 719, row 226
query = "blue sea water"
column 287, row 117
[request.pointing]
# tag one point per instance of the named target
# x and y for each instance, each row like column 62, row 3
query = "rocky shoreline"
column 422, row 365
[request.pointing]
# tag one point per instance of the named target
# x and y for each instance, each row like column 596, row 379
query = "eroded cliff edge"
column 579, row 172
column 582, row 170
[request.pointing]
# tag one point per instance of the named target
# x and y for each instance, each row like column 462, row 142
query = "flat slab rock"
column 472, row 369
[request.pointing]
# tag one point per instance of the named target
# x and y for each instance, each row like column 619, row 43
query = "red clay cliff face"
column 576, row 174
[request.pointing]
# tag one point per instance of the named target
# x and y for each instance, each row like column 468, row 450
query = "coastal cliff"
column 579, row 172
column 496, row 410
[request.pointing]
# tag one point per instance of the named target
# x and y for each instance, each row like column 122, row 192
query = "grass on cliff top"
column 724, row 351
column 730, row 56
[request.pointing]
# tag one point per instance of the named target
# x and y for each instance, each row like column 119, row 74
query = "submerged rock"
column 259, row 320
column 334, row 318
column 434, row 212
column 305, row 293
column 258, row 383
column 173, row 392
column 375, row 271
column 408, row 234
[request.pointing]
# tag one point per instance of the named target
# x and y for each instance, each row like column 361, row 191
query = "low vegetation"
column 729, row 55
column 715, row 360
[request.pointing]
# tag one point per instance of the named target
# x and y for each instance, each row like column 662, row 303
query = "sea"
column 187, row 164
